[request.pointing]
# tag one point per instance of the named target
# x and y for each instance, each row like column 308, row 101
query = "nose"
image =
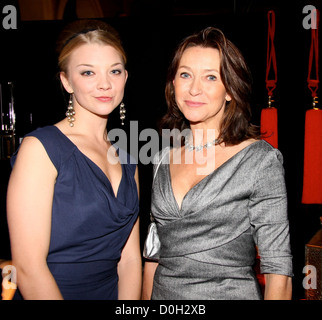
column 104, row 83
column 195, row 87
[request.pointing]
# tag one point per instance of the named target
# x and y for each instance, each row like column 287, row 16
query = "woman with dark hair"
column 73, row 195
column 219, row 192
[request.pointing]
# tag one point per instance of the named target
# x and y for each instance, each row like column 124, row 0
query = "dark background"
column 150, row 33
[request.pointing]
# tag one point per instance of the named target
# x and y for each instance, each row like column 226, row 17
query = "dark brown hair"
column 235, row 75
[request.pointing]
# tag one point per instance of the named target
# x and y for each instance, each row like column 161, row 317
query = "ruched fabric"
column 90, row 225
column 208, row 246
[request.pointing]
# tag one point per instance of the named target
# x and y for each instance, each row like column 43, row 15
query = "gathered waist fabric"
column 198, row 280
column 95, row 280
column 87, row 280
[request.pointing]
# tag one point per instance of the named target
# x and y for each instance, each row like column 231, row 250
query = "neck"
column 90, row 125
column 202, row 134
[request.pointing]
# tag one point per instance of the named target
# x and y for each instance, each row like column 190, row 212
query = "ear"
column 126, row 75
column 65, row 82
column 228, row 97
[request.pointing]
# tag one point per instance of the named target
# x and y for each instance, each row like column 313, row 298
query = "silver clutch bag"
column 152, row 243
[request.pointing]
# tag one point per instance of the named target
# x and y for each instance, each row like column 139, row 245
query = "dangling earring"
column 122, row 113
column 70, row 111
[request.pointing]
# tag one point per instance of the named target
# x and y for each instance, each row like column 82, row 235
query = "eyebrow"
column 90, row 65
column 207, row 70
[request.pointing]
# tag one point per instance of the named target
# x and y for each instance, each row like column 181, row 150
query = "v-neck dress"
column 90, row 225
column 208, row 246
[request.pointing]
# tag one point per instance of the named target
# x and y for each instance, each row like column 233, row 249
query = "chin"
column 103, row 113
column 194, row 120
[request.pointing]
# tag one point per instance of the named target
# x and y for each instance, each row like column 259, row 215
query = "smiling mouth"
column 104, row 99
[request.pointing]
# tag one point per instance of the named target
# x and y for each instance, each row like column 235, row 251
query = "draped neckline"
column 95, row 166
column 204, row 179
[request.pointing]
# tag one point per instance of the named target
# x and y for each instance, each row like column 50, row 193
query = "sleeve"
column 268, row 216
column 51, row 143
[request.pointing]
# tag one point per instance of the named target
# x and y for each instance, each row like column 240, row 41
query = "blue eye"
column 87, row 73
column 212, row 78
column 184, row 75
column 116, row 71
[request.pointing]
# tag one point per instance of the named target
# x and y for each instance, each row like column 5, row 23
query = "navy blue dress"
column 90, row 225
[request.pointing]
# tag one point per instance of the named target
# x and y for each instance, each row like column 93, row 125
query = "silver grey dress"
column 208, row 246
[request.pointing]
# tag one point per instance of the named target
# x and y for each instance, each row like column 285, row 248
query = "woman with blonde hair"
column 73, row 195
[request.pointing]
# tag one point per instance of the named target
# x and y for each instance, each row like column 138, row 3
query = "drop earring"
column 122, row 113
column 70, row 111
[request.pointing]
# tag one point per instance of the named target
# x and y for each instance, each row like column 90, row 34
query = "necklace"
column 191, row 147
